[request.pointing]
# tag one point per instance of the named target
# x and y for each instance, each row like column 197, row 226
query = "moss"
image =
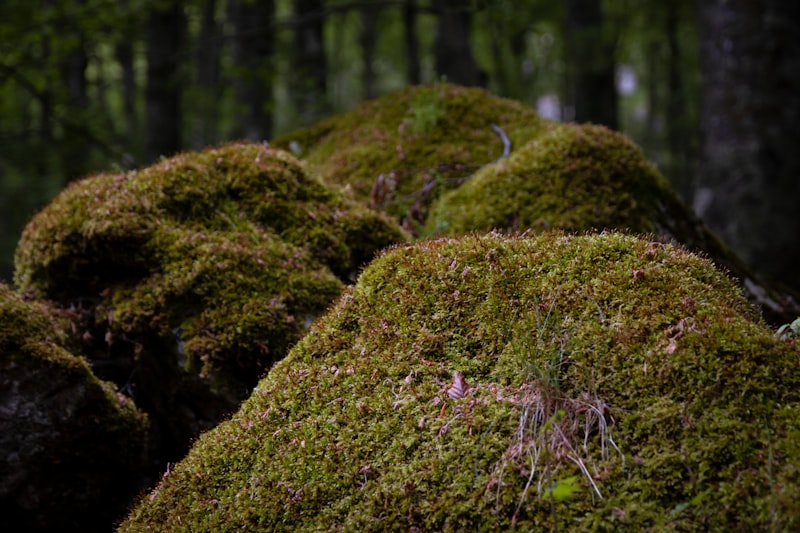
column 582, row 177
column 73, row 447
column 401, row 151
column 574, row 177
column 197, row 273
column 461, row 378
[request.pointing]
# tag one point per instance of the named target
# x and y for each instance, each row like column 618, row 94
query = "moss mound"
column 188, row 279
column 401, row 151
column 580, row 382
column 574, row 177
column 448, row 159
column 72, row 446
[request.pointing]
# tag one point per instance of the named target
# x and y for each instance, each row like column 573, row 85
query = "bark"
column 413, row 68
column 452, row 51
column 309, row 81
column 253, row 53
column 164, row 34
column 592, row 60
column 123, row 52
column 368, row 40
column 73, row 151
column 207, row 65
column 679, row 131
column 748, row 188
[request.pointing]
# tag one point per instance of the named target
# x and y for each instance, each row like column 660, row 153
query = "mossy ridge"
column 382, row 137
column 356, row 428
column 200, row 270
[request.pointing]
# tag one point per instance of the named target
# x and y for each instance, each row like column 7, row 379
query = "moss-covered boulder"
column 596, row 382
column 448, row 159
column 587, row 177
column 188, row 279
column 401, row 151
column 72, row 446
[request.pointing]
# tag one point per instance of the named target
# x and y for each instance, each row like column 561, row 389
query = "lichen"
column 188, row 279
column 462, row 382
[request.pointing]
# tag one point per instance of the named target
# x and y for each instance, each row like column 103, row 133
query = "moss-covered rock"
column 189, row 278
column 448, row 159
column 72, row 447
column 596, row 382
column 587, row 177
column 401, row 151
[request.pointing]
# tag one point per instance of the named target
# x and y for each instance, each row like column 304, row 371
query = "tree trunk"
column 308, row 84
column 452, row 50
column 368, row 40
column 679, row 131
column 591, row 57
column 748, row 186
column 165, row 28
column 73, row 150
column 123, row 52
column 413, row 69
column 253, row 54
column 207, row 72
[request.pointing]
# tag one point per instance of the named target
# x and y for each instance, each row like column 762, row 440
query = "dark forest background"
column 710, row 88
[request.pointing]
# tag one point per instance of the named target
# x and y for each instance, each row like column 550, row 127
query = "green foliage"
column 563, row 489
column 427, row 108
column 788, row 331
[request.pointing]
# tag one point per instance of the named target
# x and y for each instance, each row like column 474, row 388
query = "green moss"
column 635, row 359
column 573, row 177
column 237, row 242
column 401, row 151
column 199, row 272
column 587, row 177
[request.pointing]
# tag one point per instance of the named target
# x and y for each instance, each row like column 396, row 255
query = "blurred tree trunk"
column 73, row 72
column 253, row 48
column 413, row 76
column 748, row 186
column 308, row 83
column 207, row 64
column 368, row 39
column 453, row 54
column 123, row 52
column 591, row 59
column 164, row 34
column 679, row 131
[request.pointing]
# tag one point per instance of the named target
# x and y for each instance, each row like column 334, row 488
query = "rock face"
column 72, row 447
column 448, row 159
column 571, row 382
column 187, row 280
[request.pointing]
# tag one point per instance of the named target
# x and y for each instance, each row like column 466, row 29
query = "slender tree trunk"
column 591, row 58
column 413, row 69
column 73, row 150
column 679, row 133
column 123, row 52
column 309, row 82
column 207, row 72
column 253, row 54
column 748, row 186
column 165, row 28
column 453, row 53
column 368, row 39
